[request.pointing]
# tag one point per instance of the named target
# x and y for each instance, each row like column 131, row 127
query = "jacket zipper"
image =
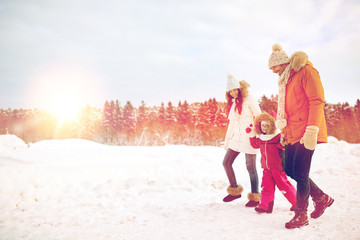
column 266, row 158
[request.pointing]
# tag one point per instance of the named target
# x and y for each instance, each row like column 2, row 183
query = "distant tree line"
column 191, row 124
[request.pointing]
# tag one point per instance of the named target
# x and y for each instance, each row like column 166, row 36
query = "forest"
column 194, row 124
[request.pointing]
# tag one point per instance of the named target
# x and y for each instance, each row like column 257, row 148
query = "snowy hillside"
column 77, row 189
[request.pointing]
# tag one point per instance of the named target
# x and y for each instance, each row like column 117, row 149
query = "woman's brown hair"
column 242, row 94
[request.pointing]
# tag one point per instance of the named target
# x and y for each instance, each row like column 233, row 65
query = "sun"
column 66, row 106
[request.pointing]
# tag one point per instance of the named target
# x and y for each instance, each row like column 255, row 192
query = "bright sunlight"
column 66, row 106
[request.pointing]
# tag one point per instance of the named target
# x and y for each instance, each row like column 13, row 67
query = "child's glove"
column 310, row 137
column 281, row 147
column 282, row 140
column 250, row 131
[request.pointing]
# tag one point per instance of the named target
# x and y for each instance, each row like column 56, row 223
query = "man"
column 302, row 120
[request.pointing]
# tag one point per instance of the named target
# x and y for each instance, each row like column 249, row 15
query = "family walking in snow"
column 299, row 126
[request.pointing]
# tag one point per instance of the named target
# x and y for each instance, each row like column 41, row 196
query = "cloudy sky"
column 167, row 50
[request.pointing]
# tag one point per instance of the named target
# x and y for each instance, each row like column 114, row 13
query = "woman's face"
column 234, row 93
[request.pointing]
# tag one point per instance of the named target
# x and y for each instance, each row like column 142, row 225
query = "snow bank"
column 11, row 142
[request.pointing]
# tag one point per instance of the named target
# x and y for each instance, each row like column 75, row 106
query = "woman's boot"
column 254, row 199
column 234, row 193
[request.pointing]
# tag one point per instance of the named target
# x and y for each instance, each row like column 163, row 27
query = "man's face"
column 279, row 69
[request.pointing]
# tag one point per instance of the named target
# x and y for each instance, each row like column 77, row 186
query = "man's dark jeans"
column 297, row 166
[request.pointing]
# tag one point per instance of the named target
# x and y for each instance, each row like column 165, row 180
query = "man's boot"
column 321, row 204
column 298, row 221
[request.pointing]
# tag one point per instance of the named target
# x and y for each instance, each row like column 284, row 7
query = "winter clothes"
column 304, row 101
column 241, row 114
column 304, row 106
column 269, row 143
column 301, row 99
column 232, row 83
column 273, row 174
column 269, row 149
column 310, row 137
column 297, row 166
column 235, row 191
column 321, row 204
column 254, row 200
column 272, row 178
column 298, row 221
column 250, row 160
column 278, row 56
column 236, row 138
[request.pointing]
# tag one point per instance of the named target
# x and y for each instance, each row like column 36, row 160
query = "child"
column 243, row 109
column 273, row 173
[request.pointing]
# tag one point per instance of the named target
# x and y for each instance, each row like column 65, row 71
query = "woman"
column 243, row 109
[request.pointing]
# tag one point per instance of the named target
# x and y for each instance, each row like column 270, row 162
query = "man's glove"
column 310, row 137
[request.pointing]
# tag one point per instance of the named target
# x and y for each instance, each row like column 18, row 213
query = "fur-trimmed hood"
column 244, row 90
column 298, row 60
column 264, row 117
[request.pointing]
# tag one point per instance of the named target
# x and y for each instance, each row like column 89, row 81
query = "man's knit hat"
column 278, row 56
column 232, row 83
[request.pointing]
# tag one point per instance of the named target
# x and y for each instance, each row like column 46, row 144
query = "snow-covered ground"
column 81, row 190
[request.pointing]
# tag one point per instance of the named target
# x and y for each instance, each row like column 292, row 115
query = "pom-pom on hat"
column 232, row 83
column 278, row 56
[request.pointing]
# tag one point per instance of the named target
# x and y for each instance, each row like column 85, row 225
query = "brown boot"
column 320, row 205
column 300, row 220
column 234, row 193
column 254, row 200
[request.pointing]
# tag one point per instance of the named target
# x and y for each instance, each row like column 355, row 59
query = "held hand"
column 280, row 123
column 282, row 140
column 250, row 131
column 310, row 137
column 279, row 146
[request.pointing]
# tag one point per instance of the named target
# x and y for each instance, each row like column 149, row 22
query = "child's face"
column 264, row 127
column 234, row 93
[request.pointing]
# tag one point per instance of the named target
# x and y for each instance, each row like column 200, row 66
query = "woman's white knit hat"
column 278, row 56
column 232, row 83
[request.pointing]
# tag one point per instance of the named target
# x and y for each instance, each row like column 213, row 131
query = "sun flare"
column 66, row 106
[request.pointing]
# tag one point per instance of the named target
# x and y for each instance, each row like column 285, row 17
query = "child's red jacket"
column 269, row 147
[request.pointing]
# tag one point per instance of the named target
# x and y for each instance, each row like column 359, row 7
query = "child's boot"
column 269, row 209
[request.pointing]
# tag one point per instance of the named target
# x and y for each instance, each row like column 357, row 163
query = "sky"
column 91, row 51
